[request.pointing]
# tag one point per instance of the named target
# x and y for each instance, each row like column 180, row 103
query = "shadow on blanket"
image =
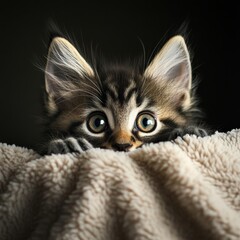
column 185, row 189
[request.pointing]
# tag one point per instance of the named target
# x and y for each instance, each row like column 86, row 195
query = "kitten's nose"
column 122, row 146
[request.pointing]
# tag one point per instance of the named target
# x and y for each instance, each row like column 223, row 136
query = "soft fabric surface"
column 185, row 189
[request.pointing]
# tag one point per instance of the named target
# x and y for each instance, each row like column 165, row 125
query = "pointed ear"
column 65, row 66
column 172, row 63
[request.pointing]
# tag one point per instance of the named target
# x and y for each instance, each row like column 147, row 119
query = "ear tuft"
column 64, row 65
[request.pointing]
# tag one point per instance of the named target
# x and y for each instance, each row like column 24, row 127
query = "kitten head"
column 117, row 106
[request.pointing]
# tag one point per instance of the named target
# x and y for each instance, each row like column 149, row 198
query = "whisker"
column 156, row 46
column 144, row 52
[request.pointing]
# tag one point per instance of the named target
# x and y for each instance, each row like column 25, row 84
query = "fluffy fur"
column 185, row 189
column 117, row 106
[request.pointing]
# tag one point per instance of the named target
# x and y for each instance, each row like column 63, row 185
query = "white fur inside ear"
column 64, row 59
column 172, row 63
column 62, row 52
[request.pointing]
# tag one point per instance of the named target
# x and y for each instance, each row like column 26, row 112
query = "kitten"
column 117, row 106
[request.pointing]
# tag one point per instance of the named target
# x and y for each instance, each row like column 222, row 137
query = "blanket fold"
column 184, row 189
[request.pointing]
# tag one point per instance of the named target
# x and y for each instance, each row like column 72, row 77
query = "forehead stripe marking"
column 112, row 94
column 130, row 93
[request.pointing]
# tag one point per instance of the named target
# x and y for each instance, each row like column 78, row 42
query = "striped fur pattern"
column 117, row 106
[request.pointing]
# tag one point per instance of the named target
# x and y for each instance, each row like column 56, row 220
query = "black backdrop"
column 115, row 28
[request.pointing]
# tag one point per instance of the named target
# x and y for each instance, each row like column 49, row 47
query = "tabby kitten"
column 117, row 106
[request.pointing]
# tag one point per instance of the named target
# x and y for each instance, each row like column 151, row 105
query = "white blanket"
column 185, row 189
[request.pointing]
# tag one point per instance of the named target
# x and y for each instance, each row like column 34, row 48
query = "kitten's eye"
column 97, row 122
column 146, row 122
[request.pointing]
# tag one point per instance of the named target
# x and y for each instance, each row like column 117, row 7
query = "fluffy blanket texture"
column 185, row 189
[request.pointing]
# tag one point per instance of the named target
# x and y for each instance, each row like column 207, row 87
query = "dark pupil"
column 98, row 122
column 146, row 122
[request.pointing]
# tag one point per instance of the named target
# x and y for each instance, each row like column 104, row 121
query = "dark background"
column 115, row 28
